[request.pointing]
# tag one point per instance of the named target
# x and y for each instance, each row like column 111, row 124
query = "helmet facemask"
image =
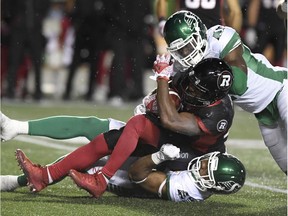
column 225, row 174
column 193, row 94
column 189, row 51
column 204, row 181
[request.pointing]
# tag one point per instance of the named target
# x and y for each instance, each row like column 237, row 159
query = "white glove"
column 167, row 152
column 150, row 103
column 162, row 67
column 140, row 109
column 251, row 38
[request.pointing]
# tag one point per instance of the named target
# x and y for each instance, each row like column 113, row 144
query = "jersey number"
column 205, row 4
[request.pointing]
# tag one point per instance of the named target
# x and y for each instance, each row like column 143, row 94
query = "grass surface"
column 65, row 198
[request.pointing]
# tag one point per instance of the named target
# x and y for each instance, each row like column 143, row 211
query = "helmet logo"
column 229, row 186
column 189, row 18
column 218, row 32
column 224, row 80
column 222, row 125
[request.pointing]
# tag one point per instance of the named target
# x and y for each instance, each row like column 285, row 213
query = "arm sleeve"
column 239, row 87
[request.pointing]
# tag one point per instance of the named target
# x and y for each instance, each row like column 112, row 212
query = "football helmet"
column 224, row 174
column 185, row 35
column 209, row 81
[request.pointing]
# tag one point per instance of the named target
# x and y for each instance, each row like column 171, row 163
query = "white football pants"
column 275, row 137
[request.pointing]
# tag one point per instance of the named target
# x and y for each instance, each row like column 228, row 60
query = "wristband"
column 156, row 158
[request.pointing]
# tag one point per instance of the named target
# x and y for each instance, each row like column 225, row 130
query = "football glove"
column 162, row 67
column 167, row 152
column 140, row 109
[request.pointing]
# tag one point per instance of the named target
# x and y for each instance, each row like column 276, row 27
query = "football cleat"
column 94, row 184
column 34, row 172
column 8, row 128
column 8, row 182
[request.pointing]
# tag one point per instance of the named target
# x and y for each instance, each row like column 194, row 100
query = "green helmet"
column 185, row 35
column 226, row 174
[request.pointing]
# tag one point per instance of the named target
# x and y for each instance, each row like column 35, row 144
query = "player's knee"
column 137, row 123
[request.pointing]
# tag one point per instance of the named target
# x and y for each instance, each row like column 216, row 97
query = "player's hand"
column 167, row 152
column 140, row 109
column 162, row 67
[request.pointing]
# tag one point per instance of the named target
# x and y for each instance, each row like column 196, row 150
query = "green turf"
column 66, row 199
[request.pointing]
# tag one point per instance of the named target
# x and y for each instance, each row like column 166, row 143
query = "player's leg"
column 58, row 127
column 12, row 182
column 9, row 182
column 80, row 159
column 10, row 128
column 137, row 128
column 275, row 142
column 282, row 102
column 65, row 127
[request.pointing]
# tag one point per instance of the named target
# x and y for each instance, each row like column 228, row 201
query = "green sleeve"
column 66, row 127
column 239, row 85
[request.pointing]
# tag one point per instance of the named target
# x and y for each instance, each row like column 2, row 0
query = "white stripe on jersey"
column 260, row 90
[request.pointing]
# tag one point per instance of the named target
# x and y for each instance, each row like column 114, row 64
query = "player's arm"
column 252, row 21
column 182, row 122
column 233, row 17
column 239, row 68
column 161, row 9
column 143, row 172
column 253, row 13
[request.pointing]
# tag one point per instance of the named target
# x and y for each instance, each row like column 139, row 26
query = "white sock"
column 105, row 177
column 22, row 126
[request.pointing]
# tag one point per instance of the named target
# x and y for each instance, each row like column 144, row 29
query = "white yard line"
column 251, row 184
column 246, row 143
column 48, row 143
column 56, row 144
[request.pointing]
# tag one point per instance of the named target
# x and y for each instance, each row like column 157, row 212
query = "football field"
column 265, row 191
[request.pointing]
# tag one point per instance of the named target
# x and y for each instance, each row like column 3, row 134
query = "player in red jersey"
column 194, row 129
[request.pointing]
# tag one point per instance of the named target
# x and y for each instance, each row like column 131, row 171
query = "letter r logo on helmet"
column 225, row 80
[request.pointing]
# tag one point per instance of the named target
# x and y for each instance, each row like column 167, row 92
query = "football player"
column 202, row 92
column 213, row 173
column 258, row 87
